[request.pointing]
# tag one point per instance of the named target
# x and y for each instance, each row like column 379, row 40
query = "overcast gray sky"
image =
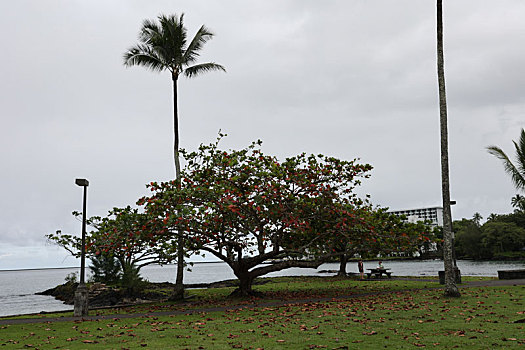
column 349, row 78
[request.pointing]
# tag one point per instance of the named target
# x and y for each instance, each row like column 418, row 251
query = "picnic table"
column 379, row 272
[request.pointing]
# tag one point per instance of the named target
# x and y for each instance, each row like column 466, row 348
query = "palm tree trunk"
column 176, row 131
column 179, row 285
column 451, row 289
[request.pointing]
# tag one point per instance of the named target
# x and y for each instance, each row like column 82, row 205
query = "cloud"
column 344, row 78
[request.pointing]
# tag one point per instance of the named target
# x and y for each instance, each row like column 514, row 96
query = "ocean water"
column 18, row 287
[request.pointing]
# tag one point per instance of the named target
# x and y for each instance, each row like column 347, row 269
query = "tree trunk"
column 179, row 284
column 245, row 284
column 451, row 289
column 241, row 269
column 178, row 291
column 176, row 130
column 342, row 265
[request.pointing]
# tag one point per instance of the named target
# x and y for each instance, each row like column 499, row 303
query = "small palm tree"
column 518, row 202
column 516, row 171
column 163, row 45
column 476, row 218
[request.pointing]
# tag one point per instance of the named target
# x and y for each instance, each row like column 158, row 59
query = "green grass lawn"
column 483, row 318
column 274, row 289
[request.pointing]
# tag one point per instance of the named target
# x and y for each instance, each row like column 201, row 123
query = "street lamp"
column 81, row 294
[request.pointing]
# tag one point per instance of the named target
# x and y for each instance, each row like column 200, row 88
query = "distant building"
column 433, row 214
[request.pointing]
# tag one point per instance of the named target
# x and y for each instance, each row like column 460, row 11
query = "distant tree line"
column 501, row 237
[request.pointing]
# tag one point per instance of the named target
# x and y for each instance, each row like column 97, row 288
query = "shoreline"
column 351, row 260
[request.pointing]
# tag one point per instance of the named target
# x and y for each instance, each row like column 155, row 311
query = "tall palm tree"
column 162, row 46
column 516, row 172
column 450, row 273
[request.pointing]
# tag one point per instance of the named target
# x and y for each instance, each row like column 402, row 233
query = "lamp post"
column 81, row 294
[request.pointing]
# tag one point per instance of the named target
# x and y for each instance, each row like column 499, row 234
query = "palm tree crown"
column 163, row 45
column 518, row 202
column 516, row 171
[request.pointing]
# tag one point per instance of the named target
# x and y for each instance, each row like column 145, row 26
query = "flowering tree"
column 125, row 234
column 255, row 213
column 377, row 233
column 352, row 238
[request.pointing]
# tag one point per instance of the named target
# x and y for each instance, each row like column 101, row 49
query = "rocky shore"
column 101, row 295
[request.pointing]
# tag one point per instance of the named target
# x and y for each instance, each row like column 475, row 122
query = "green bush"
column 131, row 281
column 105, row 268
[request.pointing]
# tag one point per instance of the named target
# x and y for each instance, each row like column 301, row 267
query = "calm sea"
column 17, row 287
